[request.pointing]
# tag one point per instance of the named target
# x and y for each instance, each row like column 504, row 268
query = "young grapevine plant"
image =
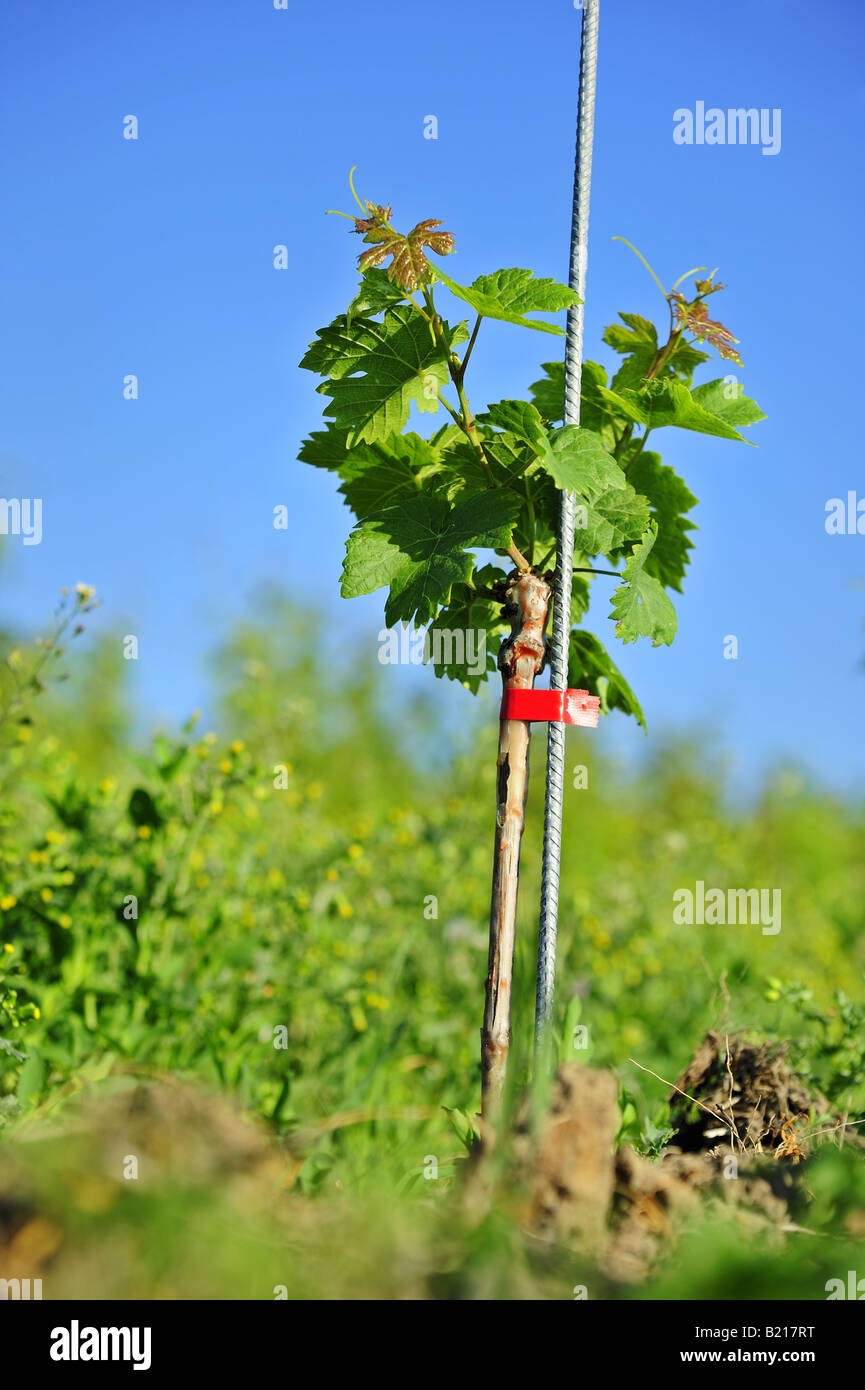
column 488, row 481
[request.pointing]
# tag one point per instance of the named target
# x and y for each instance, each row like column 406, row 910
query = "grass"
column 289, row 915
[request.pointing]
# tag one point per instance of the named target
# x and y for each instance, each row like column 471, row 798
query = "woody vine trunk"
column 527, row 601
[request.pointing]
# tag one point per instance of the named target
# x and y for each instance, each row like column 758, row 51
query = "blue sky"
column 155, row 257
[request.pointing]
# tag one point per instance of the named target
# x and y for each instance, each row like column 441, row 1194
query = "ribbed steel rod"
column 565, row 555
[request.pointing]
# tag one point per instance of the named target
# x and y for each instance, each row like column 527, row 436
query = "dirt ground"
column 742, row 1123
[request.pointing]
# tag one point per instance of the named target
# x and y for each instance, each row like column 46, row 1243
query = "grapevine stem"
column 462, row 368
column 447, row 405
column 520, row 659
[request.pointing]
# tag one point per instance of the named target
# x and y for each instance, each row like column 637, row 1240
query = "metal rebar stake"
column 565, row 555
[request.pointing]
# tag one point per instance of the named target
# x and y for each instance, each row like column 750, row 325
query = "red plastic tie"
column 558, row 706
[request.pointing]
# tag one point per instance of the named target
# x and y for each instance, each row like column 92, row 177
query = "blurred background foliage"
column 291, row 909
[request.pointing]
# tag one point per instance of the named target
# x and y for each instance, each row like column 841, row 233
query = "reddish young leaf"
column 409, row 266
column 378, row 217
column 696, row 318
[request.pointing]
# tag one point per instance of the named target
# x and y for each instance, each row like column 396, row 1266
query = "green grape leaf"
column 575, row 458
column 595, row 412
column 387, row 470
column 328, row 449
column 669, row 402
column 548, row 394
column 446, row 436
column 625, row 404
column 577, row 461
column 400, row 364
column 337, row 348
column 590, row 667
column 510, row 457
column 418, row 548
column 548, row 397
column 511, row 294
column 684, row 360
column 462, row 471
column 376, row 293
column 641, row 607
column 637, row 339
column 633, row 334
column 521, row 419
column 463, row 639
column 617, row 516
column 581, row 593
column 726, row 399
column 669, row 499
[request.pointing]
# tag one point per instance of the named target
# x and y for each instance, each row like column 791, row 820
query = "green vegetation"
column 300, row 880
column 492, row 480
